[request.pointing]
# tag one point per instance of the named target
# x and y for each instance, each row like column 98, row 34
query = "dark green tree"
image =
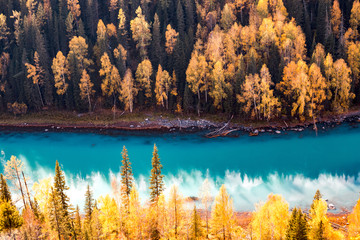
column 89, row 204
column 297, row 228
column 156, row 178
column 127, row 177
column 5, row 195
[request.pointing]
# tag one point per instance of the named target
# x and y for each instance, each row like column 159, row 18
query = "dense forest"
column 260, row 59
column 44, row 211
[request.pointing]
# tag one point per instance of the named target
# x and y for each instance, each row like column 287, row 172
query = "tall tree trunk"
column 20, row 185
column 38, row 87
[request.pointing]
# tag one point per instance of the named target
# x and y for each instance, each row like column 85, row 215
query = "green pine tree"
column 5, row 195
column 126, row 177
column 89, row 204
column 297, row 228
column 60, row 195
column 156, row 178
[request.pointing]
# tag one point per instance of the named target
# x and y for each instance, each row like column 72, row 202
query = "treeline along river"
column 293, row 164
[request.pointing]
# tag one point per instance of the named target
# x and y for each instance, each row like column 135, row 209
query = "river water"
column 294, row 164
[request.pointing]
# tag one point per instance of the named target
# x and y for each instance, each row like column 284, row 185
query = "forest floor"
column 54, row 120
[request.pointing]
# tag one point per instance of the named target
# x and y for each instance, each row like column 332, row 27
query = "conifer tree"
column 156, row 178
column 89, row 204
column 60, row 198
column 127, row 178
column 5, row 195
column 354, row 221
column 77, row 224
column 222, row 216
column 9, row 217
column 196, row 230
column 297, row 228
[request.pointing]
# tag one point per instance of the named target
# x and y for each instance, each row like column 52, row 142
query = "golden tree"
column 141, row 34
column 355, row 16
column 143, row 74
column 206, row 201
column 109, row 217
column 86, row 87
column 269, row 104
column 336, row 17
column 171, row 38
column 135, row 217
column 354, row 222
column 128, row 90
column 341, row 85
column 78, row 51
column 60, row 71
column 295, row 86
column 219, row 85
column 74, row 8
column 292, row 43
column 353, row 59
column 164, row 86
column 222, row 216
column 37, row 74
column 176, row 214
column 270, row 220
column 317, row 91
column 111, row 83
column 250, row 95
column 196, row 75
column 319, row 225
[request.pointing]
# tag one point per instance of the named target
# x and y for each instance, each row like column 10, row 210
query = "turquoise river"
column 293, row 164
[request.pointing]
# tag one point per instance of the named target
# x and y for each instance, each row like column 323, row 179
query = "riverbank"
column 161, row 122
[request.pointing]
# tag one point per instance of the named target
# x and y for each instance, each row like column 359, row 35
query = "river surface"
column 294, row 164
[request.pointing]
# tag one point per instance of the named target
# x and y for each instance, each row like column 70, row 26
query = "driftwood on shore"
column 223, row 131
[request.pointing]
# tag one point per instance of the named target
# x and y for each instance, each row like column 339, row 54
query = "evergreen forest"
column 260, row 59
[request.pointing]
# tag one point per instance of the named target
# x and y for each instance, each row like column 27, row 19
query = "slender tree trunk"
column 88, row 95
column 114, row 107
column 20, row 185
column 38, row 87
column 27, row 191
column 198, row 105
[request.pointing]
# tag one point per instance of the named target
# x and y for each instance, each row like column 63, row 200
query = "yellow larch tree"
column 86, row 88
column 143, row 76
column 270, row 220
column 250, row 95
column 109, row 217
column 353, row 59
column 269, row 104
column 268, row 35
column 176, row 214
column 319, row 55
column 196, row 76
column 354, row 222
column 37, row 74
column 78, row 50
column 292, row 43
column 317, row 90
column 171, row 38
column 227, row 16
column 341, row 86
column 262, row 8
column 336, row 17
column 355, row 16
column 60, row 73
column 219, row 86
column 222, row 220
column 111, row 83
column 319, row 225
column 128, row 90
column 74, row 8
column 164, row 86
column 295, row 86
column 206, row 200
column 141, row 34
column 134, row 219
